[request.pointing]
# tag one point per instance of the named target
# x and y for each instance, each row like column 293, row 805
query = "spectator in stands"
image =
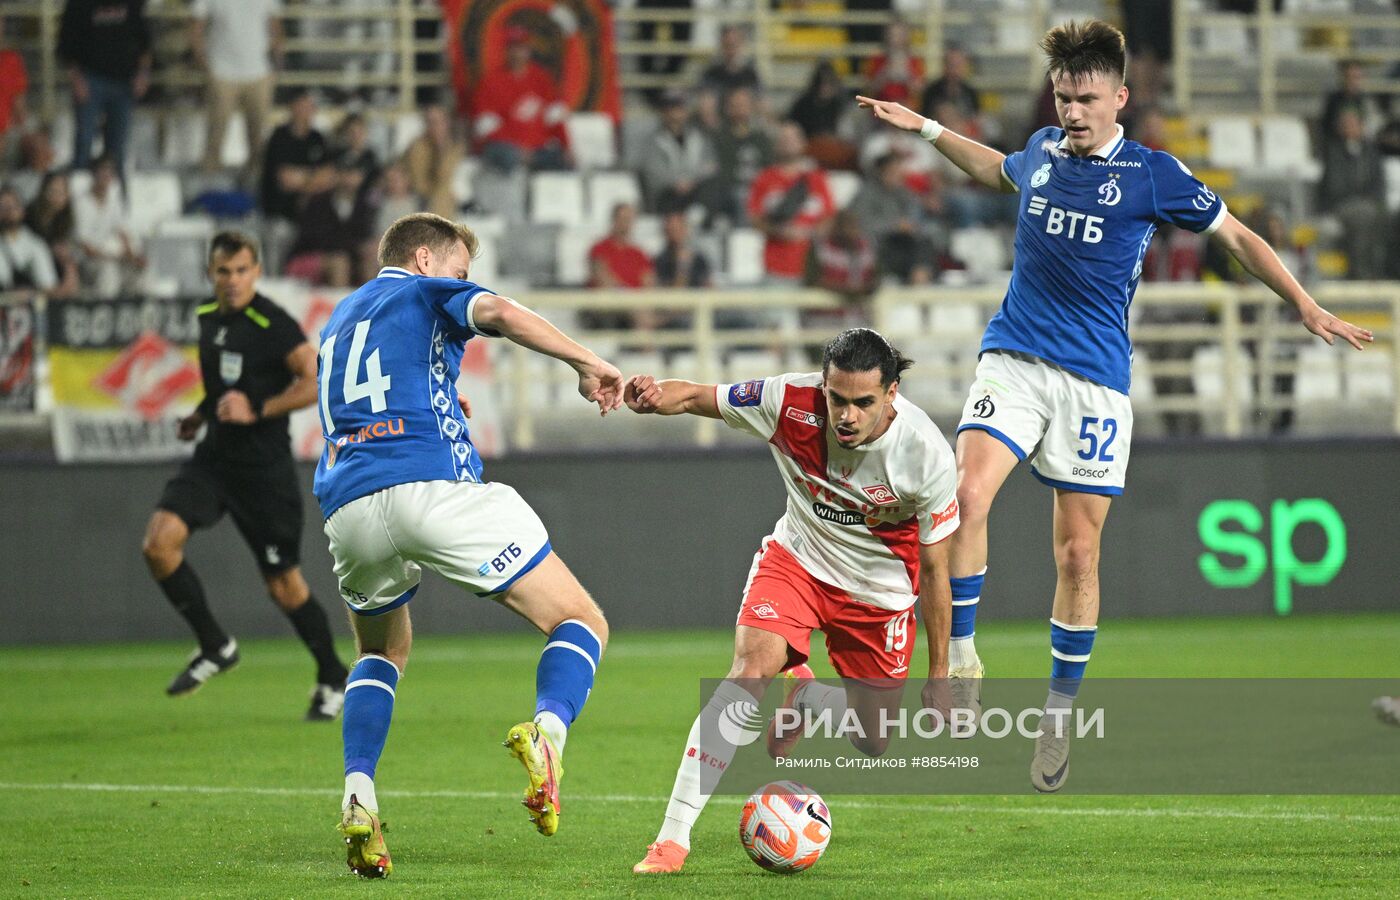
column 431, row 161
column 109, row 261
column 1353, row 190
column 844, row 261
column 1150, row 129
column 107, row 45
column 885, row 209
column 680, row 264
column 518, row 113
column 14, row 82
column 394, row 198
column 952, row 87
column 237, row 43
column 819, row 111
column 36, row 161
column 335, row 227
column 733, row 70
column 894, row 73
column 50, row 216
column 25, row 260
column 789, row 201
column 352, row 146
column 295, row 162
column 678, row 164
column 742, row 150
column 617, row 262
column 1351, row 96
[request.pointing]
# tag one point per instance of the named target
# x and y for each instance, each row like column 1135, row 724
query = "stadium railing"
column 1211, row 359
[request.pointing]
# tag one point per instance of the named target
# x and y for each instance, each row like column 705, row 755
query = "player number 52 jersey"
column 855, row 516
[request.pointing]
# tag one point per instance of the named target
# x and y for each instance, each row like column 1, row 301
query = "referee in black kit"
column 257, row 368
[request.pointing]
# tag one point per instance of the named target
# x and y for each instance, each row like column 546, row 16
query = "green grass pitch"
column 113, row 790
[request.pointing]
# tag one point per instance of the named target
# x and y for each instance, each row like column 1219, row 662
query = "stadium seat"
column 178, row 258
column 556, row 198
column 485, row 265
column 571, row 254
column 1234, row 143
column 463, row 182
column 606, row 190
column 955, row 322
column 685, row 364
column 1319, row 377
column 904, row 318
column 196, row 226
column 143, row 147
column 743, row 255
column 1287, row 149
column 406, row 129
column 159, row 200
column 649, row 234
column 182, row 138
column 1391, row 166
column 1208, row 382
column 593, row 140
column 746, row 365
column 844, row 186
column 981, row 250
column 1370, row 376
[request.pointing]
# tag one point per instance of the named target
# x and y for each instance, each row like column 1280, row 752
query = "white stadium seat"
column 606, row 190
column 556, row 198
column 844, row 186
column 593, row 140
column 155, row 198
column 463, row 182
column 1287, row 149
column 743, row 254
column 980, row 249
column 571, row 254
column 1234, row 144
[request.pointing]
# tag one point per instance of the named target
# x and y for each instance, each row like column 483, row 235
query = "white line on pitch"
column 944, row 808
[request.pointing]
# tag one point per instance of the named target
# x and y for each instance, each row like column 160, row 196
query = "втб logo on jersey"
column 1041, row 176
column 983, row 408
column 1109, row 192
column 1067, row 222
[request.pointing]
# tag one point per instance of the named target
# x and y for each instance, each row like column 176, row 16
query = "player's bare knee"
column 871, row 744
column 162, row 550
column 974, row 504
column 1077, row 557
column 288, row 592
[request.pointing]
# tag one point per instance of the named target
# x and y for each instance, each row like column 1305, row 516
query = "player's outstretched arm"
column 936, row 609
column 599, row 381
column 980, row 162
column 1260, row 260
column 644, row 394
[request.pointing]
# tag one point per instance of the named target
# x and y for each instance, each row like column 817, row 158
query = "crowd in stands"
column 727, row 154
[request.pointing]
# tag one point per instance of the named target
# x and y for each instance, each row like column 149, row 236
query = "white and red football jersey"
column 855, row 516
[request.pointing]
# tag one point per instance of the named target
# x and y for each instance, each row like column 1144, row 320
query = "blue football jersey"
column 1081, row 235
column 387, row 379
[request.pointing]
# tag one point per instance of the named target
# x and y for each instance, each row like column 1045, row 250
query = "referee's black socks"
column 314, row 629
column 186, row 594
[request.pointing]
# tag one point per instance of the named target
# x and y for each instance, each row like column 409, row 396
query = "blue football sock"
column 565, row 673
column 1070, row 646
column 369, row 705
column 967, row 593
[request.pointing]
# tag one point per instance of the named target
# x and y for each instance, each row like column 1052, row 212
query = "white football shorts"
column 1076, row 433
column 481, row 536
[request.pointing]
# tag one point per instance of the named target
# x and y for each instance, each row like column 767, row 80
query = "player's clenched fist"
column 643, row 394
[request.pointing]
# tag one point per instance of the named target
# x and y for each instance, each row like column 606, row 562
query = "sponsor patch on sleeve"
column 949, row 513
column 746, row 393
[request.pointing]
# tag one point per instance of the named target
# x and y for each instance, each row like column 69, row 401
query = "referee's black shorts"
column 264, row 501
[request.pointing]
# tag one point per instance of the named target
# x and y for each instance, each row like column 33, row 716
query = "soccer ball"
column 785, row 827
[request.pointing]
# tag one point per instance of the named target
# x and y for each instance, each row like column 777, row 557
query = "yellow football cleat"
column 663, row 858
column 365, row 850
column 542, row 763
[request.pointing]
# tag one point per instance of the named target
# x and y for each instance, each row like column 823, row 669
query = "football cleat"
column 326, row 702
column 202, row 667
column 965, row 684
column 1387, row 709
column 780, row 746
column 545, row 769
column 365, row 851
column 663, row 858
column 1050, row 764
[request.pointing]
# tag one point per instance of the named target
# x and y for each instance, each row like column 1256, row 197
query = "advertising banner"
column 17, row 327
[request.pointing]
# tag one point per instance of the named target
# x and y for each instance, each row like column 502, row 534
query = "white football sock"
column 553, row 728
column 962, row 654
column 362, row 787
column 687, row 799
